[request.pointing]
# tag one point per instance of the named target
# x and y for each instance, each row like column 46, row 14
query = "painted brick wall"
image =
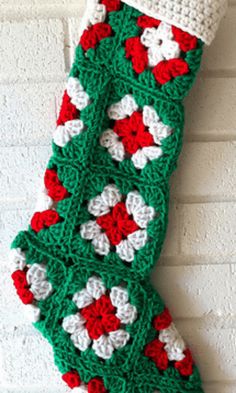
column 197, row 273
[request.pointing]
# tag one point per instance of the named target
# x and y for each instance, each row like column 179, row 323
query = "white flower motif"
column 17, row 259
column 63, row 134
column 37, row 280
column 175, row 345
column 159, row 131
column 140, row 214
column 160, row 43
column 106, row 342
column 78, row 95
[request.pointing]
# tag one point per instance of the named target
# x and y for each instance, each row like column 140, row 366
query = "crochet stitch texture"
column 198, row 17
column 82, row 268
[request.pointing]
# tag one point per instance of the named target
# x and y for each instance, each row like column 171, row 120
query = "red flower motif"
column 133, row 133
column 185, row 40
column 72, row 379
column 112, row 5
column 44, row 219
column 55, row 189
column 155, row 351
column 145, row 21
column 19, row 279
column 163, row 320
column 138, row 54
column 100, row 317
column 185, row 366
column 96, row 386
column 94, row 34
column 117, row 224
column 169, row 69
column 68, row 111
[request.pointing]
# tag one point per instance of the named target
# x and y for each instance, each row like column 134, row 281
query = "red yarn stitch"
column 185, row 366
column 100, row 317
column 68, row 111
column 112, row 5
column 44, row 219
column 169, row 69
column 55, row 188
column 145, row 21
column 19, row 279
column 96, row 386
column 25, row 295
column 163, row 320
column 133, row 133
column 117, row 224
column 94, row 34
column 185, row 40
column 138, row 54
column 72, row 379
column 51, row 179
column 155, row 351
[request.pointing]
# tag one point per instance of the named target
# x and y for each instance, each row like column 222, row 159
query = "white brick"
column 21, row 174
column 11, row 222
column 210, row 108
column 12, row 313
column 217, row 387
column 73, row 37
column 32, row 49
column 27, row 360
column 207, row 170
column 28, row 113
column 221, row 55
column 214, row 351
column 194, row 291
column 171, row 245
column 209, row 229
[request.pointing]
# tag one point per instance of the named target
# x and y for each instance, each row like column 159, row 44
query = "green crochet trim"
column 85, row 168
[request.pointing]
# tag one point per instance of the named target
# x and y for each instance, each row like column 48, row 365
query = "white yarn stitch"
column 75, row 324
column 136, row 206
column 123, row 108
column 95, row 287
column 175, row 345
column 78, row 95
column 101, row 205
column 36, row 278
column 63, row 134
column 197, row 17
column 98, row 14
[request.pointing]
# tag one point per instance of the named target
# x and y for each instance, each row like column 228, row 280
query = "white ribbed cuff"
column 198, row 17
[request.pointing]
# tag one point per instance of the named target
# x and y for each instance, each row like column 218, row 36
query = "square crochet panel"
column 82, row 268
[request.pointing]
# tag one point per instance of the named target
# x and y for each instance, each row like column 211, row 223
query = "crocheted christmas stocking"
column 82, row 268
